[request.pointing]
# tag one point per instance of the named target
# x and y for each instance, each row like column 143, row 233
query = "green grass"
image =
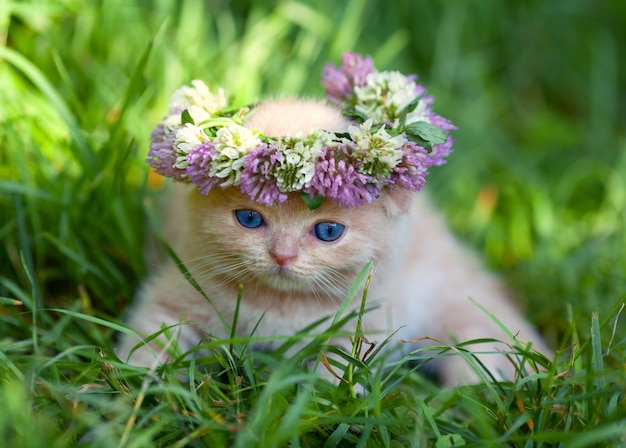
column 537, row 184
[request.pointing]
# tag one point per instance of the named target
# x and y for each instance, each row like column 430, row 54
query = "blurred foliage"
column 537, row 184
column 536, row 89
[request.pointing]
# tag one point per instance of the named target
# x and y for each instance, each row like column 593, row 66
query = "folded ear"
column 397, row 201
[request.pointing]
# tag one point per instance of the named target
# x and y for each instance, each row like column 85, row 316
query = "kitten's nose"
column 283, row 258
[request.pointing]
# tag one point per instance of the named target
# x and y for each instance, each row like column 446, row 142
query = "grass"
column 537, row 184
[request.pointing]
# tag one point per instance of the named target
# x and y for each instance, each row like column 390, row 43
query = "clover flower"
column 198, row 114
column 198, row 100
column 395, row 139
column 297, row 167
column 342, row 181
column 340, row 82
column 386, row 94
column 257, row 178
column 232, row 142
column 188, row 137
column 161, row 156
column 441, row 151
column 379, row 152
column 411, row 172
column 200, row 159
column 198, row 96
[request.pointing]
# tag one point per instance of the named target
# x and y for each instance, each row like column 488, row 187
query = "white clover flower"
column 232, row 142
column 188, row 137
column 300, row 156
column 366, row 140
column 317, row 139
column 199, row 114
column 380, row 152
column 212, row 150
column 237, row 137
column 385, row 95
column 198, row 95
column 360, row 134
column 418, row 114
column 171, row 122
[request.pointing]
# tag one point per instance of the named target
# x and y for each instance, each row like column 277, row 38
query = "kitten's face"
column 288, row 250
column 286, row 247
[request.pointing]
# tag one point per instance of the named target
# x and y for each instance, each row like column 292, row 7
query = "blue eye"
column 329, row 231
column 249, row 219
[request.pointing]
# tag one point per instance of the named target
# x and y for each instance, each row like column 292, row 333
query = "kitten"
column 296, row 265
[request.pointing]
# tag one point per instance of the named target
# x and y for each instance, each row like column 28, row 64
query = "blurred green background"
column 536, row 185
column 536, row 88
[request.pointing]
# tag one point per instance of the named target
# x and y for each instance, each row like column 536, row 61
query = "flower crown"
column 394, row 140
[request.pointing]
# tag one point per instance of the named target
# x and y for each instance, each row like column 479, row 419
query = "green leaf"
column 185, row 118
column 402, row 118
column 312, row 202
column 450, row 440
column 360, row 279
column 596, row 350
column 353, row 113
column 427, row 132
column 407, row 110
column 420, row 141
column 412, row 105
column 8, row 301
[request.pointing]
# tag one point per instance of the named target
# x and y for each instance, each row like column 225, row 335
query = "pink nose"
column 282, row 258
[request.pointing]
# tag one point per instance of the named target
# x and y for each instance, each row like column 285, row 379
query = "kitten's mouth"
column 283, row 271
column 285, row 279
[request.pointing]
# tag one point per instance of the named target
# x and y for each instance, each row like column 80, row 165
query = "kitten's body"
column 423, row 277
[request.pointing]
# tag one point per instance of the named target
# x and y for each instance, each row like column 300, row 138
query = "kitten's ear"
column 398, row 201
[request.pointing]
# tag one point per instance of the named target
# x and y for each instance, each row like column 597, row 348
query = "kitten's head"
column 288, row 248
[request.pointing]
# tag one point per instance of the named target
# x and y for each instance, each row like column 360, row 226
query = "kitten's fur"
column 423, row 277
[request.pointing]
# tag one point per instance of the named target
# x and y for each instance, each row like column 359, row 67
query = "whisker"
column 219, row 268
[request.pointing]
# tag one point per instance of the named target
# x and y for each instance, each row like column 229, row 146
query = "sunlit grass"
column 537, row 184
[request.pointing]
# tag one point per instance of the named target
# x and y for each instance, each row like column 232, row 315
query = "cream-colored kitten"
column 296, row 266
